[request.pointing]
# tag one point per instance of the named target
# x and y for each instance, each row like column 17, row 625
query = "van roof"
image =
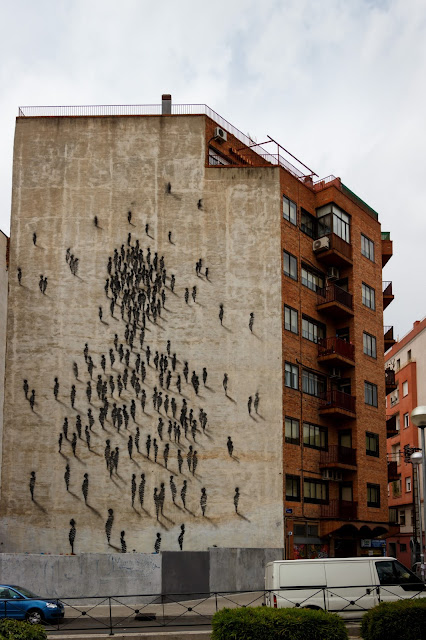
column 356, row 559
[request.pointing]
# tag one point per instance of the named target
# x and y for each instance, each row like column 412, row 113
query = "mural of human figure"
column 74, row 444
column 186, row 295
column 180, row 460
column 194, row 462
column 142, row 489
column 249, row 403
column 26, row 388
column 85, row 487
column 183, row 493
column 157, row 544
column 137, row 439
column 221, row 313
column 256, row 401
column 19, row 275
column 225, row 383
column 160, row 428
column 162, row 497
column 40, row 283
column 155, row 445
column 44, row 285
column 204, row 376
column 72, row 395
column 123, row 542
column 103, row 363
column 133, row 485
column 107, row 452
column 32, row 484
column 100, row 312
column 178, row 384
column 148, row 445
column 172, row 283
column 185, row 371
column 71, row 535
column 89, row 391
column 133, row 410
column 166, row 454
column 130, row 446
column 203, row 501
column 56, row 388
column 236, row 499
column 143, row 400
column 181, row 535
column 207, row 273
column 111, row 357
column 78, row 425
column 194, row 293
column 108, row 524
column 156, row 503
column 251, row 322
column 230, row 446
column 60, row 442
column 87, row 435
column 189, row 457
column 32, row 399
column 90, row 418
column 67, row 476
column 173, row 489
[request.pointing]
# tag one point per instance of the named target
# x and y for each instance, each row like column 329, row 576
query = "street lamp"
column 416, row 459
column 418, row 417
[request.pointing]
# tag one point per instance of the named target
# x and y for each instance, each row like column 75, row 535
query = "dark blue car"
column 21, row 604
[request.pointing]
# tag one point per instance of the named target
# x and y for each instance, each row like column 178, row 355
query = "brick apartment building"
column 295, row 274
column 406, row 372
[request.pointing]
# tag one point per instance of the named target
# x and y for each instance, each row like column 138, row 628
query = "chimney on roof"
column 166, row 104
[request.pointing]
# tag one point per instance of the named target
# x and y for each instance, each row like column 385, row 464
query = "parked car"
column 22, row 604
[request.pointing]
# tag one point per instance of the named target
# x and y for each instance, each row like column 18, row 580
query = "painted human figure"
column 148, row 445
column 194, row 293
column 130, row 446
column 156, row 503
column 230, row 446
column 133, row 485
column 162, row 497
column 225, row 383
column 123, row 542
column 74, row 444
column 87, row 436
column 256, row 401
column 19, row 275
column 32, row 399
column 71, row 535
column 181, row 535
column 173, row 488
column 236, row 499
column 155, row 446
column 26, row 388
column 72, row 395
column 221, row 313
column 157, row 544
column 203, row 501
column 107, row 452
column 137, row 439
column 109, row 523
column 142, row 489
column 60, row 442
column 56, row 388
column 194, row 462
column 85, row 487
column 75, row 370
column 32, row 484
column 251, row 322
column 186, row 295
column 166, row 454
column 67, row 476
column 180, row 460
column 204, row 376
column 172, row 282
column 189, row 457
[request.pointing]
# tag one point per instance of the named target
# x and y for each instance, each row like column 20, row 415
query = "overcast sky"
column 340, row 83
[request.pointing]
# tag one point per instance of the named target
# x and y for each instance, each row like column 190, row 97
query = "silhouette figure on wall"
column 95, row 221
column 181, row 535
column 251, row 322
column 142, row 489
column 161, row 497
column 107, row 452
column 34, row 238
column 67, row 476
column 230, row 446
column 75, row 370
column 60, row 442
column 85, row 487
column 180, row 460
column 71, row 535
column 130, row 446
column 203, row 501
column 166, row 454
column 26, row 388
column 249, row 403
column 155, row 445
column 32, row 484
column 221, row 313
column 137, row 438
column 156, row 502
column 133, row 489
column 173, row 489
column 183, row 493
column 256, row 401
column 236, row 499
column 194, row 462
column 148, row 445
column 74, row 444
column 109, row 523
column 123, row 542
column 186, row 295
column 225, row 383
column 19, row 275
column 56, row 388
column 157, row 544
column 32, row 400
column 72, row 395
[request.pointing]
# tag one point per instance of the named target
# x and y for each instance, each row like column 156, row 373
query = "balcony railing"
column 390, row 378
column 334, row 293
column 343, row 509
column 336, row 346
column 335, row 399
column 393, row 471
column 338, row 455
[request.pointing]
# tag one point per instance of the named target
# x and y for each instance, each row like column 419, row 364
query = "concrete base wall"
column 101, row 574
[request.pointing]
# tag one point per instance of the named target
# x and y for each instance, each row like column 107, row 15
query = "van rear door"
column 350, row 590
column 301, row 583
column 397, row 582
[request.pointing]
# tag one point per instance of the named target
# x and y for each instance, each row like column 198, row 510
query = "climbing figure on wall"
column 109, row 523
column 32, row 484
column 71, row 535
column 181, row 535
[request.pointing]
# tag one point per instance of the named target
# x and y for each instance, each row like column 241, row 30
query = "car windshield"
column 25, row 592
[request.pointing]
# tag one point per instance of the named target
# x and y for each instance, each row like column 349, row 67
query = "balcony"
column 391, row 429
column 337, row 457
column 387, row 250
column 389, row 339
column 393, row 471
column 335, row 352
column 341, row 509
column 338, row 404
column 390, row 381
column 337, row 254
column 335, row 301
column 387, row 294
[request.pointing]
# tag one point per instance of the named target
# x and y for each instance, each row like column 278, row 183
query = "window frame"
column 316, row 379
column 310, row 283
column 312, row 229
column 316, row 483
column 370, row 387
column 373, row 503
column 366, row 348
column 367, row 247
column 292, row 481
column 294, row 425
column 289, row 217
column 405, row 389
column 315, row 324
column 315, row 431
column 406, row 417
column 368, row 296
column 291, row 311
column 291, row 258
column 293, row 368
column 369, row 439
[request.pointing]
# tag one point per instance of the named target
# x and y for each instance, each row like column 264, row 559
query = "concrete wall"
column 3, row 317
column 66, row 171
column 185, row 572
column 240, row 569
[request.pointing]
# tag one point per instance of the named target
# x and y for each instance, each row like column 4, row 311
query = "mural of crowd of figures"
column 132, row 401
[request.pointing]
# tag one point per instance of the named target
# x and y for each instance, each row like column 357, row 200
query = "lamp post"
column 418, row 418
column 416, row 459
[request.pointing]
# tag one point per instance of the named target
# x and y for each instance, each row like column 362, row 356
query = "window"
column 314, row 436
column 292, row 431
column 216, row 159
column 313, row 383
column 396, row 488
column 315, row 491
column 312, row 330
column 402, row 547
column 291, row 319
column 291, row 375
column 405, row 388
column 393, row 515
column 406, row 420
column 312, row 279
column 289, row 210
column 369, row 345
column 408, row 484
column 370, row 393
column 409, row 355
column 290, row 265
column 367, row 247
column 333, row 219
column 372, row 444
column 368, row 296
column 393, row 572
column 308, row 224
column 398, row 364
column 373, row 495
column 397, row 422
column 292, row 488
column 402, row 518
column 396, row 453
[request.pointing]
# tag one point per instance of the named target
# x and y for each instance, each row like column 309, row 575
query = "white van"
column 348, row 586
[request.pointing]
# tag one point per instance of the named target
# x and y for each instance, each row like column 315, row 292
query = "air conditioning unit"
column 220, row 134
column 321, row 244
column 333, row 273
column 335, row 373
column 332, row 474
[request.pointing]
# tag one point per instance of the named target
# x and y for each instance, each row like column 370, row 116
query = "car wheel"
column 34, row 616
